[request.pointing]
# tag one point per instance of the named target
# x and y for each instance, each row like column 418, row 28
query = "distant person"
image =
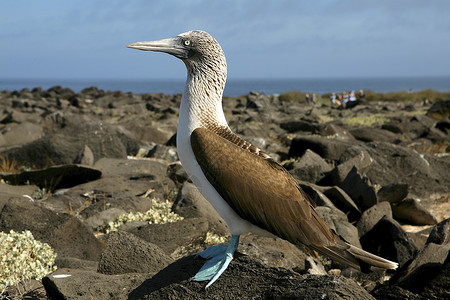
column 361, row 95
column 314, row 98
column 336, row 100
column 352, row 96
column 333, row 98
column 307, row 98
column 352, row 101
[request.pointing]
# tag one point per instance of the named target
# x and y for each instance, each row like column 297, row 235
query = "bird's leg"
column 219, row 257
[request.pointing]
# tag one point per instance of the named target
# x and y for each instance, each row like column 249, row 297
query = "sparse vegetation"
column 8, row 165
column 160, row 213
column 292, row 96
column 366, row 120
column 215, row 239
column 404, row 96
column 23, row 258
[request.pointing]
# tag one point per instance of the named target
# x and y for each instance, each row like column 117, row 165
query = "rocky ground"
column 71, row 163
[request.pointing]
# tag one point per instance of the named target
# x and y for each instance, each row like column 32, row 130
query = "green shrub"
column 292, row 96
column 404, row 96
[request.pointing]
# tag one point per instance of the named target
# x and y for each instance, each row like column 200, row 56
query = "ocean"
column 238, row 87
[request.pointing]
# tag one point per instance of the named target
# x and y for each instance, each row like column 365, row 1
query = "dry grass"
column 8, row 165
column 441, row 148
column 366, row 121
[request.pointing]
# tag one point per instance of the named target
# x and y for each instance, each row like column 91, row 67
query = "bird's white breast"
column 188, row 121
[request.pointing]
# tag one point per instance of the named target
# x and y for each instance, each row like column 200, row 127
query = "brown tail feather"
column 353, row 256
column 371, row 259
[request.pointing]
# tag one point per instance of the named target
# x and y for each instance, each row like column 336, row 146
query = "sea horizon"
column 239, row 87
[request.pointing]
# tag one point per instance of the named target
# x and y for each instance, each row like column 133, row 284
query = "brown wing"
column 259, row 190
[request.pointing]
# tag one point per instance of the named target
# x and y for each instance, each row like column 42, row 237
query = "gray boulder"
column 371, row 216
column 175, row 239
column 126, row 253
column 64, row 233
column 359, row 188
column 387, row 239
column 412, row 211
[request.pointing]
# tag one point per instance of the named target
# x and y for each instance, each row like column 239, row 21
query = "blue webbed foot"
column 219, row 257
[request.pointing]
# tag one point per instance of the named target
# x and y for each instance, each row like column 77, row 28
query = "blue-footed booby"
column 249, row 190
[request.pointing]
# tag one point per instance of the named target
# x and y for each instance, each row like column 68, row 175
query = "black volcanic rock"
column 387, row 239
column 115, row 125
column 64, row 146
column 326, row 148
column 65, row 233
column 367, row 134
column 359, row 188
column 126, row 253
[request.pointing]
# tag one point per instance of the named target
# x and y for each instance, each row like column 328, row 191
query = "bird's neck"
column 201, row 104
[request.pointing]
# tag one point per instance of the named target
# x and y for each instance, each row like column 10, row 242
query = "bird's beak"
column 171, row 46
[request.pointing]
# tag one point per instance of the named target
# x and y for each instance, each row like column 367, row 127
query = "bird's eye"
column 187, row 42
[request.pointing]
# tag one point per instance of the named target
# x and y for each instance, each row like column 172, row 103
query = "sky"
column 261, row 39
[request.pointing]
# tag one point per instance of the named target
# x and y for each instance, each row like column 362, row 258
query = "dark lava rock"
column 132, row 168
column 54, row 177
column 359, row 188
column 362, row 161
column 393, row 193
column 64, row 146
column 175, row 239
column 257, row 101
column 76, row 263
column 412, row 212
column 272, row 252
column 163, row 152
column 191, row 204
column 438, row 287
column 426, row 265
column 387, row 239
column 20, row 134
column 244, row 279
column 335, row 130
column 104, row 217
column 85, row 157
column 368, row 134
column 15, row 191
column 90, row 199
column 439, row 110
column 386, row 292
column 444, row 125
column 395, row 128
column 29, row 289
column 395, row 164
column 343, row 202
column 440, row 234
column 126, row 253
column 81, row 284
column 310, row 167
column 371, row 217
column 177, row 173
column 64, row 233
column 299, row 125
column 325, row 147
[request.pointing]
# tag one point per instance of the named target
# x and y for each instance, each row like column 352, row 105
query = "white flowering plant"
column 160, row 213
column 22, row 257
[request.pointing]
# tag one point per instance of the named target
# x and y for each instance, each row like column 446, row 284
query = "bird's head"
column 196, row 48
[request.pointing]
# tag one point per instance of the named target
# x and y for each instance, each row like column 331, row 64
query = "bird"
column 249, row 189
